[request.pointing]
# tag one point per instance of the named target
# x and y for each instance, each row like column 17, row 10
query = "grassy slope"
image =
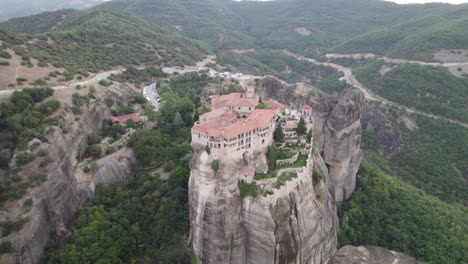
column 98, row 40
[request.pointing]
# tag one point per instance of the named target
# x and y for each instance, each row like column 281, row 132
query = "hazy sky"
column 428, row 1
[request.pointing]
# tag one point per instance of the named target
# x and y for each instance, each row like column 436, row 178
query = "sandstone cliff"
column 296, row 224
column 55, row 201
column 337, row 128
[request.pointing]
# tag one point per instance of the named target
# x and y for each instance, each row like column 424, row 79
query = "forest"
column 145, row 217
column 426, row 88
column 386, row 212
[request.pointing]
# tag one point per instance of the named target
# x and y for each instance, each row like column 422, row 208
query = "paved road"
column 368, row 94
column 97, row 78
column 392, row 60
column 105, row 75
column 152, row 95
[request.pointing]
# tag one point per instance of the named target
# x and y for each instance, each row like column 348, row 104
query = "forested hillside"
column 146, row 217
column 37, row 24
column 208, row 20
column 386, row 212
column 99, row 40
column 417, row 38
column 309, row 27
column 17, row 8
column 430, row 89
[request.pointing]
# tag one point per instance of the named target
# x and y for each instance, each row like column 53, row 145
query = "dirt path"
column 368, row 94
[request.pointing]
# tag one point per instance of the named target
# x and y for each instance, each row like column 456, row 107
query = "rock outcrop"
column 370, row 255
column 56, row 201
column 337, row 128
column 342, row 146
column 376, row 122
column 297, row 223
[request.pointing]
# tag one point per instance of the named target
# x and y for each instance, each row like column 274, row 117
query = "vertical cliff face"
column 342, row 143
column 337, row 127
column 298, row 222
column 56, row 201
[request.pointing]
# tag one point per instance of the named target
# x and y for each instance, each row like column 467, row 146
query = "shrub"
column 28, row 202
column 94, row 167
column 10, row 227
column 95, row 150
column 215, row 165
column 4, row 63
column 109, row 101
column 94, row 138
column 317, row 176
column 20, row 80
column 208, row 150
column 5, row 247
column 3, row 162
column 25, row 158
column 105, row 83
column 77, row 99
column 42, row 64
column 248, row 189
column 110, row 149
column 86, row 169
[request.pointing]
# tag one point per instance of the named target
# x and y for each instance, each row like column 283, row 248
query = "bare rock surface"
column 298, row 224
column 342, row 149
column 56, row 201
column 370, row 255
column 337, row 127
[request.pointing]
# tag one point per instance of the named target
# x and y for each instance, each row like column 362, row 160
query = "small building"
column 238, row 102
column 123, row 119
column 307, row 112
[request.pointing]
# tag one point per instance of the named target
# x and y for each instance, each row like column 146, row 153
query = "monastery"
column 236, row 126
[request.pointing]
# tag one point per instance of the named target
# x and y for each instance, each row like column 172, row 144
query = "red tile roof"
column 228, row 127
column 123, row 119
column 233, row 99
column 307, row 107
column 273, row 104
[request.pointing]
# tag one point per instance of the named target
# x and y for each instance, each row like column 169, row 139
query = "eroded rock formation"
column 370, row 255
column 297, row 224
column 337, row 128
column 55, row 201
column 342, row 144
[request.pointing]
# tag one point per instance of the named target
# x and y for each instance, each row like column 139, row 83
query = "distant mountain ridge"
column 40, row 23
column 18, row 8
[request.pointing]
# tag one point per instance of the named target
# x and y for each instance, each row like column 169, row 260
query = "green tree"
column 95, row 150
column 278, row 135
column 301, row 127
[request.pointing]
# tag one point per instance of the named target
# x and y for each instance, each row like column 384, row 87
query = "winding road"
column 371, row 96
column 104, row 75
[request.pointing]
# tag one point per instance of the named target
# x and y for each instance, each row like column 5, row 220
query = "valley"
column 212, row 131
